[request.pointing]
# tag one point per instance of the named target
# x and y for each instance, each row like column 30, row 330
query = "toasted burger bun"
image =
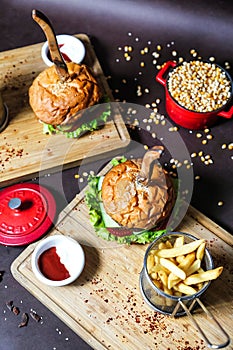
column 135, row 205
column 57, row 103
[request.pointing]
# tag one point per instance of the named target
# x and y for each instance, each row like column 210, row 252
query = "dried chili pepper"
column 35, row 316
column 9, row 305
column 15, row 310
column 24, row 320
column 1, row 275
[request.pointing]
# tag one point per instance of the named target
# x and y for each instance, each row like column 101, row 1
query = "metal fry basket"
column 175, row 306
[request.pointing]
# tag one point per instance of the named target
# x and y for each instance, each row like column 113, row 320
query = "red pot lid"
column 27, row 211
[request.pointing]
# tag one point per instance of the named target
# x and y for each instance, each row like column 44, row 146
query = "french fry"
column 167, row 290
column 194, row 267
column 177, row 294
column 158, row 284
column 182, row 250
column 184, row 289
column 179, row 241
column 168, row 244
column 180, row 258
column 172, row 280
column 200, row 251
column 162, row 245
column 204, row 276
column 163, row 277
column 177, row 269
column 187, row 261
column 199, row 286
column 173, row 260
column 150, row 262
column 173, row 268
column 156, row 268
column 154, row 275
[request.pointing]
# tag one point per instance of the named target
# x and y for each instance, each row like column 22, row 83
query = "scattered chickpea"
column 155, row 54
column 211, row 59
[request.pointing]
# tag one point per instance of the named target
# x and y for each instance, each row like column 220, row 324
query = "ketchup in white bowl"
column 51, row 267
column 58, row 260
column 71, row 48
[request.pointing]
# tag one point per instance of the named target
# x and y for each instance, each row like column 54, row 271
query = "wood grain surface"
column 24, row 150
column 105, row 306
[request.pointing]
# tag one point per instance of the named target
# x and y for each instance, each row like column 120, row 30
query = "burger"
column 63, row 106
column 133, row 201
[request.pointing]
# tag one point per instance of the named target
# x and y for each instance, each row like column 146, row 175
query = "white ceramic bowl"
column 71, row 47
column 71, row 256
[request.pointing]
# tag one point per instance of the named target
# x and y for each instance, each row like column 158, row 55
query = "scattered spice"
column 15, row 310
column 9, row 305
column 35, row 316
column 1, row 275
column 24, row 320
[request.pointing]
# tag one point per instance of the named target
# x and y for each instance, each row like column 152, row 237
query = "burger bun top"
column 59, row 103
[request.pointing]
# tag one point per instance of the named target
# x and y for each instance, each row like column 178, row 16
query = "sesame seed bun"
column 131, row 202
column 58, row 103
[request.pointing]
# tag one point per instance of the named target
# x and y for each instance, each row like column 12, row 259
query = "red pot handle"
column 226, row 114
column 159, row 77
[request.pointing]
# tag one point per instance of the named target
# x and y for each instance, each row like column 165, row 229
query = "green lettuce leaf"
column 85, row 127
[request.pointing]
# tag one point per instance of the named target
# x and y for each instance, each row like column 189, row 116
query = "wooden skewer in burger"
column 60, row 93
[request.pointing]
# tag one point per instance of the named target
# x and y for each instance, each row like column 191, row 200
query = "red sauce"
column 65, row 56
column 50, row 265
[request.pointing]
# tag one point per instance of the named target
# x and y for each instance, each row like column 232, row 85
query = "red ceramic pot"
column 185, row 117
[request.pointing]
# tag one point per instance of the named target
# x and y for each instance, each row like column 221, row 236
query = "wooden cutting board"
column 105, row 306
column 24, row 150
